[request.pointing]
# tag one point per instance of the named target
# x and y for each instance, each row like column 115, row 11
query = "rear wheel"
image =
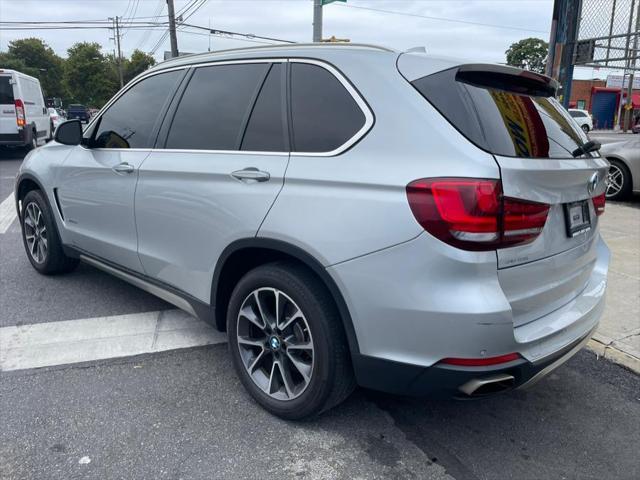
column 33, row 143
column 618, row 181
column 40, row 237
column 287, row 343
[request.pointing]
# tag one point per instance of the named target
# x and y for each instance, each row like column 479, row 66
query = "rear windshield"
column 6, row 91
column 77, row 108
column 500, row 121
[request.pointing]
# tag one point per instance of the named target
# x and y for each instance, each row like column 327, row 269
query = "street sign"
column 327, row 2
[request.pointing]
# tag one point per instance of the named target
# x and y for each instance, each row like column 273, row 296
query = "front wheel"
column 618, row 181
column 585, row 128
column 40, row 237
column 287, row 342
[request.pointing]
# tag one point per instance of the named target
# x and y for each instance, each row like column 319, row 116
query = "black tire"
column 54, row 261
column 625, row 181
column 332, row 379
column 585, row 128
column 33, row 143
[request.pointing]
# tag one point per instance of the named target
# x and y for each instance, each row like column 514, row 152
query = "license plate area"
column 577, row 218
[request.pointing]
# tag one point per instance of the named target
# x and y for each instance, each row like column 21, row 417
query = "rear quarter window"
column 324, row 114
column 500, row 121
column 6, row 91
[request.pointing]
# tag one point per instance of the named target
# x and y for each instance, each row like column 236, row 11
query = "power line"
column 442, row 19
column 215, row 31
column 145, row 36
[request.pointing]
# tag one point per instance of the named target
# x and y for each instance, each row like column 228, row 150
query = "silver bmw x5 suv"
column 349, row 214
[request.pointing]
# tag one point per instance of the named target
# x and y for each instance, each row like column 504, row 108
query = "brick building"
column 581, row 91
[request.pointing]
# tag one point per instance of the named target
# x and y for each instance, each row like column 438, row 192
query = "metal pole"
column 632, row 64
column 613, row 15
column 119, row 53
column 317, row 20
column 172, row 29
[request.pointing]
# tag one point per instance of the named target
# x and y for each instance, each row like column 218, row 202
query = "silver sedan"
column 624, row 173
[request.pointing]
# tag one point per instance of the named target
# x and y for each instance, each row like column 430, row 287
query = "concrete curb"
column 614, row 355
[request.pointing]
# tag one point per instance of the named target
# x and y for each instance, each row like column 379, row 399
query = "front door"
column 221, row 169
column 98, row 180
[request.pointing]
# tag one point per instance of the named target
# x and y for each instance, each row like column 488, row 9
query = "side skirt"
column 167, row 293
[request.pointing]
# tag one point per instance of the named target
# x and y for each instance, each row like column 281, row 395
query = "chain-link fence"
column 608, row 34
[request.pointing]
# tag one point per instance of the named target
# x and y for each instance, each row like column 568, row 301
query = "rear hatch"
column 8, row 123
column 513, row 115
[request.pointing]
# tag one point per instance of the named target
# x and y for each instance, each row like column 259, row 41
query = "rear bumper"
column 23, row 137
column 444, row 381
column 417, row 303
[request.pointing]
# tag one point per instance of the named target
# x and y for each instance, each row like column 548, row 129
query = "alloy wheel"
column 275, row 343
column 35, row 233
column 615, row 181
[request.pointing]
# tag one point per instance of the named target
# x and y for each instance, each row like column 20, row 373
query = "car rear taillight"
column 20, row 118
column 598, row 204
column 473, row 214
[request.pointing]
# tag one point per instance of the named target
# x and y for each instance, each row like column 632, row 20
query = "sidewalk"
column 618, row 336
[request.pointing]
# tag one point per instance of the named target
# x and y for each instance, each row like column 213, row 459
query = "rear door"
column 215, row 175
column 35, row 110
column 513, row 115
column 8, row 124
column 98, row 180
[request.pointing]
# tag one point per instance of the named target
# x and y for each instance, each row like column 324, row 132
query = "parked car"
column 636, row 128
column 349, row 214
column 78, row 111
column 582, row 118
column 55, row 117
column 624, row 172
column 24, row 119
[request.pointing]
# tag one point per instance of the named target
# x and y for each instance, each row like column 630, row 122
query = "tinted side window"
column 323, row 112
column 502, row 121
column 266, row 128
column 214, row 107
column 129, row 122
column 6, row 91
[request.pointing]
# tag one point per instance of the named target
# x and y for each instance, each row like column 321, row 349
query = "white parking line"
column 7, row 213
column 88, row 339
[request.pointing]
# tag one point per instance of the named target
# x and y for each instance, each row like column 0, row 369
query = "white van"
column 24, row 119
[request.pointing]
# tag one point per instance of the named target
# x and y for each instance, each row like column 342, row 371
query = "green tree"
column 38, row 60
column 11, row 63
column 529, row 53
column 138, row 63
column 88, row 75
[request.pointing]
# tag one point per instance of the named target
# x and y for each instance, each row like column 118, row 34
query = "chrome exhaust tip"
column 497, row 383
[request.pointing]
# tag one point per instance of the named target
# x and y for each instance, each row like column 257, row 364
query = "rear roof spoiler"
column 503, row 77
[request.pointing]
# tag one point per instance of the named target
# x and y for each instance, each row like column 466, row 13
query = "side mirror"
column 69, row 133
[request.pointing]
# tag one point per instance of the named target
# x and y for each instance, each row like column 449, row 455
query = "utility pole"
column 317, row 20
column 632, row 63
column 172, row 29
column 116, row 37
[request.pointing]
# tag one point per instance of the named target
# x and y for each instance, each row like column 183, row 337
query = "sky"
column 481, row 30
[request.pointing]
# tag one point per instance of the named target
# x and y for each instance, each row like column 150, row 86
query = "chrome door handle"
column 123, row 167
column 251, row 173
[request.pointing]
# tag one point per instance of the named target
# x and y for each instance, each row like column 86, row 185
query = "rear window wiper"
column 590, row 146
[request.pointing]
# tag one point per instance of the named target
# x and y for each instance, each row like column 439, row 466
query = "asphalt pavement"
column 183, row 414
